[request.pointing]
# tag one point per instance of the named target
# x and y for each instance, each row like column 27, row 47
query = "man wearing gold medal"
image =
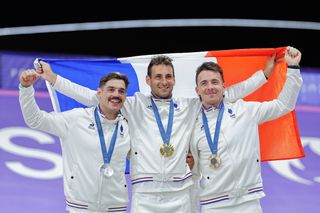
column 160, row 135
column 95, row 143
column 225, row 141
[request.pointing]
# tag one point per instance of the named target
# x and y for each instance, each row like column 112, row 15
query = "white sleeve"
column 53, row 122
column 79, row 93
column 244, row 88
column 285, row 102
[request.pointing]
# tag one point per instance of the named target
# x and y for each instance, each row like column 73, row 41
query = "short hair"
column 114, row 75
column 211, row 66
column 160, row 59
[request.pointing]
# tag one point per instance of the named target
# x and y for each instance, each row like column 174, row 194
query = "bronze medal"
column 214, row 161
column 166, row 150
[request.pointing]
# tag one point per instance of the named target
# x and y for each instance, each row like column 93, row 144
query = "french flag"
column 279, row 139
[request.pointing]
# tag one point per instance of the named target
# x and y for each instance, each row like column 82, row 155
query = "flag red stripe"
column 279, row 139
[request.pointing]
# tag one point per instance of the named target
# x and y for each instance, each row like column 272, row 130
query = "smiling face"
column 112, row 96
column 210, row 87
column 161, row 81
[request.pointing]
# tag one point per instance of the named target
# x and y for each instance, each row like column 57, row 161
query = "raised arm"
column 287, row 98
column 80, row 93
column 52, row 123
column 244, row 88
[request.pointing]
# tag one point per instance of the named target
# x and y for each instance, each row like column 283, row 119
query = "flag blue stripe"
column 87, row 72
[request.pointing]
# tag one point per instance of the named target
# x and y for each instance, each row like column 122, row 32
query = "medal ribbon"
column 165, row 135
column 213, row 145
column 105, row 154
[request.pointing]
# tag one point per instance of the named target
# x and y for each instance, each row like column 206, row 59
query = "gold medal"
column 214, row 161
column 166, row 150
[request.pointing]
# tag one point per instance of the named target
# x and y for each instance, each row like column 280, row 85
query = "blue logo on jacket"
column 232, row 115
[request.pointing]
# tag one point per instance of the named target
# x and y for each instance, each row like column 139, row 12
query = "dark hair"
column 209, row 66
column 114, row 75
column 160, row 59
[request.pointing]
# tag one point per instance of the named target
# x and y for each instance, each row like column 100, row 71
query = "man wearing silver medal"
column 229, row 165
column 160, row 135
column 95, row 143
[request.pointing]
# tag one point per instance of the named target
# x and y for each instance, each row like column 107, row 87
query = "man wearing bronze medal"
column 214, row 161
column 160, row 134
column 95, row 143
column 225, row 142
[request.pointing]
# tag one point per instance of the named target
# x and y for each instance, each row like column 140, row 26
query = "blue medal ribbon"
column 213, row 145
column 164, row 134
column 106, row 154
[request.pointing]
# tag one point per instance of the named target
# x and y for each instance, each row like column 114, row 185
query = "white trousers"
column 252, row 206
column 161, row 202
column 194, row 196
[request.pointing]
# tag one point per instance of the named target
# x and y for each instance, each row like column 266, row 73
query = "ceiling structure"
column 124, row 41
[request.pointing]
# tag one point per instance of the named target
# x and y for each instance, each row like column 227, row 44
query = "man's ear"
column 99, row 91
column 148, row 80
column 224, row 89
column 196, row 89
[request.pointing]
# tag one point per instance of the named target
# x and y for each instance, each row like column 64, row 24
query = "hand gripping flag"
column 279, row 139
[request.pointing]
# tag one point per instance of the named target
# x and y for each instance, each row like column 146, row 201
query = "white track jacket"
column 239, row 177
column 84, row 186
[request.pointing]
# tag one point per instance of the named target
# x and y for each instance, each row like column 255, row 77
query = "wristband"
column 293, row 66
column 22, row 87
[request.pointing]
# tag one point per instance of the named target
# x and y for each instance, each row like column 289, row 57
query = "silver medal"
column 106, row 170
